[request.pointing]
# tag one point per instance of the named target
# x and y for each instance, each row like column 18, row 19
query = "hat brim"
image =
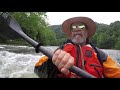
column 91, row 26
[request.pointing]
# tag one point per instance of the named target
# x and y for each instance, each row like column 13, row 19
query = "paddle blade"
column 12, row 23
column 5, row 32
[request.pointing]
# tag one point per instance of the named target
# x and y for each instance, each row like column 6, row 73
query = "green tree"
column 35, row 25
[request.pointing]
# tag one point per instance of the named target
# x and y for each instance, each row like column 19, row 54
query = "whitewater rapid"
column 19, row 61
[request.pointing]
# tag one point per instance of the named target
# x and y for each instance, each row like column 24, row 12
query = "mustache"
column 77, row 33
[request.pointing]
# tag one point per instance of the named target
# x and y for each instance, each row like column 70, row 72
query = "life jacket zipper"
column 77, row 56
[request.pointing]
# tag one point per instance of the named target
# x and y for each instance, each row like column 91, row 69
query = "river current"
column 19, row 61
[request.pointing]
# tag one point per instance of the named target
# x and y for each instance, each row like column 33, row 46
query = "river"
column 19, row 61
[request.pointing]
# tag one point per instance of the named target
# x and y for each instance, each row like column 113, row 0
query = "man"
column 77, row 51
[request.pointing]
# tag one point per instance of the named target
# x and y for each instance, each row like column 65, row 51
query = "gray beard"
column 77, row 39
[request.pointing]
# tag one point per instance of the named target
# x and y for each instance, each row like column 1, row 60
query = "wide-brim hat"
column 91, row 26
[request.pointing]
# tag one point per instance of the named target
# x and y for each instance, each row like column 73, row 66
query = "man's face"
column 79, row 33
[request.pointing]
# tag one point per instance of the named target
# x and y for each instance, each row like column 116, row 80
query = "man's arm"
column 111, row 68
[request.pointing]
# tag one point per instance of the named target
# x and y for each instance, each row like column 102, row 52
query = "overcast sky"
column 56, row 18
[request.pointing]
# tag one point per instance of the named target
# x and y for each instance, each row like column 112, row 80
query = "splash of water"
column 14, row 65
column 19, row 61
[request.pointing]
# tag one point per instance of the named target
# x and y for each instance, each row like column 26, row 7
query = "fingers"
column 63, row 61
column 70, row 63
column 58, row 56
column 65, row 69
column 55, row 56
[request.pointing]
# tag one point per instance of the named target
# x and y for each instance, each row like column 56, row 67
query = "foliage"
column 35, row 25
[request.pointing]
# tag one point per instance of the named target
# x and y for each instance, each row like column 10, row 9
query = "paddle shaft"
column 73, row 69
column 13, row 25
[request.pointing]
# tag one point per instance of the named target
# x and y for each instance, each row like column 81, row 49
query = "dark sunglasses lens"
column 73, row 27
column 82, row 26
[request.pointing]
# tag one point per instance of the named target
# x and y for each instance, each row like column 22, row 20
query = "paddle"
column 13, row 25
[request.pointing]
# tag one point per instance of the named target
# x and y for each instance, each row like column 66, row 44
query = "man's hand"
column 63, row 60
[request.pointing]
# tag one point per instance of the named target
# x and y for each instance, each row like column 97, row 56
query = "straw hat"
column 91, row 26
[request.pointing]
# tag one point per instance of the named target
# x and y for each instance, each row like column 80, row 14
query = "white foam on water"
column 13, row 46
column 1, row 47
column 14, row 65
column 21, row 65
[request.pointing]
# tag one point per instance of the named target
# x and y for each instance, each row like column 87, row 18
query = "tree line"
column 35, row 25
column 106, row 36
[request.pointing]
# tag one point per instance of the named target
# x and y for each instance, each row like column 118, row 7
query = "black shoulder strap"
column 67, row 41
column 95, row 50
column 100, row 54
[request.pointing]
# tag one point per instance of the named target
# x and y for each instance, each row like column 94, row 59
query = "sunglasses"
column 80, row 26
